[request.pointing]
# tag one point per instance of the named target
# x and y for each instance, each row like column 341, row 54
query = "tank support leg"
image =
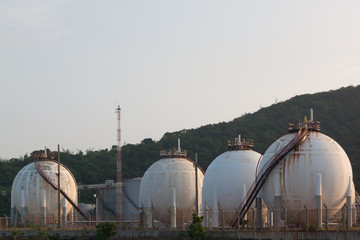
column 148, row 212
column 277, row 211
column 349, row 211
column 64, row 213
column 43, row 207
column 173, row 208
column 242, row 197
column 215, row 212
column 348, row 203
column 12, row 212
column 22, row 210
column 319, row 202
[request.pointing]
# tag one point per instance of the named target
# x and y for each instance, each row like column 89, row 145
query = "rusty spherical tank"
column 227, row 179
column 31, row 191
column 165, row 176
column 317, row 167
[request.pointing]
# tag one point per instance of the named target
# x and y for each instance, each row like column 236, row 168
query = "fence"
column 304, row 219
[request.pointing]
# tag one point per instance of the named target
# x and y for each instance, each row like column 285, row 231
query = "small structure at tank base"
column 168, row 190
column 106, row 197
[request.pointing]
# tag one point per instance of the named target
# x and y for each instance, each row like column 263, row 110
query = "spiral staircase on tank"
column 37, row 163
column 301, row 133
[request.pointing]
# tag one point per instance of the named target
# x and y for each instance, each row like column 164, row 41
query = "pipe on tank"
column 179, row 147
column 311, row 115
column 348, row 192
column 318, row 185
column 318, row 196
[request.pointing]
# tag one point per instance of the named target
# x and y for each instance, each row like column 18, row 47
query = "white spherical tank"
column 227, row 179
column 166, row 177
column 30, row 191
column 317, row 167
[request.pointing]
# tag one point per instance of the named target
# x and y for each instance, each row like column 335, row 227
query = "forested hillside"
column 338, row 111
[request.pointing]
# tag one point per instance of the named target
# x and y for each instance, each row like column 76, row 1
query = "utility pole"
column 118, row 170
column 59, row 212
column 196, row 185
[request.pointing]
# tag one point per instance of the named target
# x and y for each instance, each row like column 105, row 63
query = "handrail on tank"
column 173, row 153
column 245, row 205
column 53, row 185
column 238, row 144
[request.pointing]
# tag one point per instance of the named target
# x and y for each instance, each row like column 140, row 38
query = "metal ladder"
column 265, row 172
column 55, row 187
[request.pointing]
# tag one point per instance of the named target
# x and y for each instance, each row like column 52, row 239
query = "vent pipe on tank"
column 311, row 115
column 179, row 148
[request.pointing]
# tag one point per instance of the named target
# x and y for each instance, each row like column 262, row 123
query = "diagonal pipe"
column 55, row 187
column 265, row 172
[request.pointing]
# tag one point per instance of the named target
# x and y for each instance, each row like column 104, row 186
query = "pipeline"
column 55, row 187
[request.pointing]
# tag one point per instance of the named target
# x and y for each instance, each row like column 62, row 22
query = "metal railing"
column 173, row 153
column 282, row 218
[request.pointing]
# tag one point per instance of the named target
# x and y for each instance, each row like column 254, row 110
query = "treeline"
column 338, row 111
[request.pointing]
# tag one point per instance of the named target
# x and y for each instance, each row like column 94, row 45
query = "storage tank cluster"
column 316, row 173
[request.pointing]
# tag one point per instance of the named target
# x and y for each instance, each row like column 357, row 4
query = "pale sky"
column 170, row 65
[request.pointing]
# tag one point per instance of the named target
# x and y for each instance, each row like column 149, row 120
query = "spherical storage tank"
column 170, row 181
column 228, row 178
column 317, row 168
column 30, row 191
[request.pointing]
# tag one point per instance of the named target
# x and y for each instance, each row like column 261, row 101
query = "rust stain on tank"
column 309, row 140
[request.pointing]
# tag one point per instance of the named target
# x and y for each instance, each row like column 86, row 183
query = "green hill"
column 338, row 111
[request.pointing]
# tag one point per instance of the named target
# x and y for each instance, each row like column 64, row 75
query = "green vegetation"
column 338, row 111
column 196, row 230
column 105, row 230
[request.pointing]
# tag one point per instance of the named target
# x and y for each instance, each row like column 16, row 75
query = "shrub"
column 196, row 230
column 105, row 230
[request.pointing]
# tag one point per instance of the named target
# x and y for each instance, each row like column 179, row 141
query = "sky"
column 171, row 65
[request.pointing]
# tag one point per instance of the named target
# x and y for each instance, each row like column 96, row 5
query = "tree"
column 196, row 230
